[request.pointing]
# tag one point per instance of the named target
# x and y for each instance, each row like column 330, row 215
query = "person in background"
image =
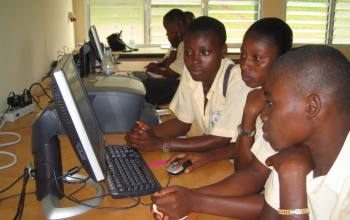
column 160, row 91
column 200, row 96
column 172, row 65
column 189, row 17
column 264, row 41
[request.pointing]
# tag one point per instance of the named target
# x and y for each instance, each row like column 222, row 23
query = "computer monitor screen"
column 90, row 54
column 77, row 118
column 95, row 43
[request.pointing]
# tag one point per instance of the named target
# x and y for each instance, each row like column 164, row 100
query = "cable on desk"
column 30, row 88
column 2, row 119
column 138, row 201
column 10, row 143
column 10, row 164
column 12, row 196
column 69, row 173
column 9, row 187
column 20, row 207
column 37, row 103
column 80, row 202
column 8, row 153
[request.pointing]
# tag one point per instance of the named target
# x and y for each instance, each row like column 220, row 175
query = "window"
column 106, row 15
column 319, row 21
column 146, row 16
column 237, row 16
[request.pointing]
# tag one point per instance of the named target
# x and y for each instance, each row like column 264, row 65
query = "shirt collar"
column 340, row 169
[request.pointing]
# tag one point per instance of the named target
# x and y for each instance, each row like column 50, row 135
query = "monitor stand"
column 48, row 166
column 51, row 208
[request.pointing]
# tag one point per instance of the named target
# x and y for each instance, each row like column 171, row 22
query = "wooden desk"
column 131, row 66
column 215, row 171
column 157, row 53
column 142, row 53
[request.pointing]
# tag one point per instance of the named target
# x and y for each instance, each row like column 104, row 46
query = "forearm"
column 198, row 144
column 242, row 155
column 250, row 180
column 162, row 63
column 222, row 153
column 293, row 194
column 242, row 207
column 171, row 128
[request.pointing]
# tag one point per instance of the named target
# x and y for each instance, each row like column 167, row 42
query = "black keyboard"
column 129, row 174
column 142, row 75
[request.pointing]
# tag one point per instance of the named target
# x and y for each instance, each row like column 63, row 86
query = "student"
column 307, row 109
column 172, row 65
column 189, row 17
column 161, row 91
column 200, row 96
column 264, row 41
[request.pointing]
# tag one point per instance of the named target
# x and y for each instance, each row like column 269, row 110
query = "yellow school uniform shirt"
column 328, row 196
column 178, row 64
column 221, row 115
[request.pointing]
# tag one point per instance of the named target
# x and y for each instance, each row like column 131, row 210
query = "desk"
column 157, row 54
column 32, row 208
column 125, row 66
column 143, row 53
column 216, row 171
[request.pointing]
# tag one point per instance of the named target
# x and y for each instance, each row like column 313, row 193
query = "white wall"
column 32, row 33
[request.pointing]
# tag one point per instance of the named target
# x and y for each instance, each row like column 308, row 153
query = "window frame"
column 330, row 22
column 147, row 23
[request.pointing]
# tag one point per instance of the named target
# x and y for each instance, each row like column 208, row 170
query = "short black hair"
column 175, row 15
column 189, row 17
column 316, row 68
column 274, row 31
column 205, row 24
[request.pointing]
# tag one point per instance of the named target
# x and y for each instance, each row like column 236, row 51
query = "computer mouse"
column 170, row 169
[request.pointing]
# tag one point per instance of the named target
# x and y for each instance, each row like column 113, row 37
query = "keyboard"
column 142, row 75
column 128, row 175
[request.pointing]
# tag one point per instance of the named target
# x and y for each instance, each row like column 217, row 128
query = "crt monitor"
column 91, row 53
column 77, row 118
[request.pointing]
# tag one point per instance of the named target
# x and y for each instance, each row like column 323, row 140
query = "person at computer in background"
column 200, row 96
column 189, row 17
column 307, row 108
column 172, row 64
column 264, row 41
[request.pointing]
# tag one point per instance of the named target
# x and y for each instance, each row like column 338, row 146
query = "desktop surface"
column 156, row 52
column 32, row 208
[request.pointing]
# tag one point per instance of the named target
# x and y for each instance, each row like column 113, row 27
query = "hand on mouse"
column 173, row 202
column 197, row 160
column 142, row 137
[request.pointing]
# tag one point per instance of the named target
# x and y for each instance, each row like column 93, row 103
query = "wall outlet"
column 16, row 113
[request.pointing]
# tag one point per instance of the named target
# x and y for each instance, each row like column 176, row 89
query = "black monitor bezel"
column 73, row 124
